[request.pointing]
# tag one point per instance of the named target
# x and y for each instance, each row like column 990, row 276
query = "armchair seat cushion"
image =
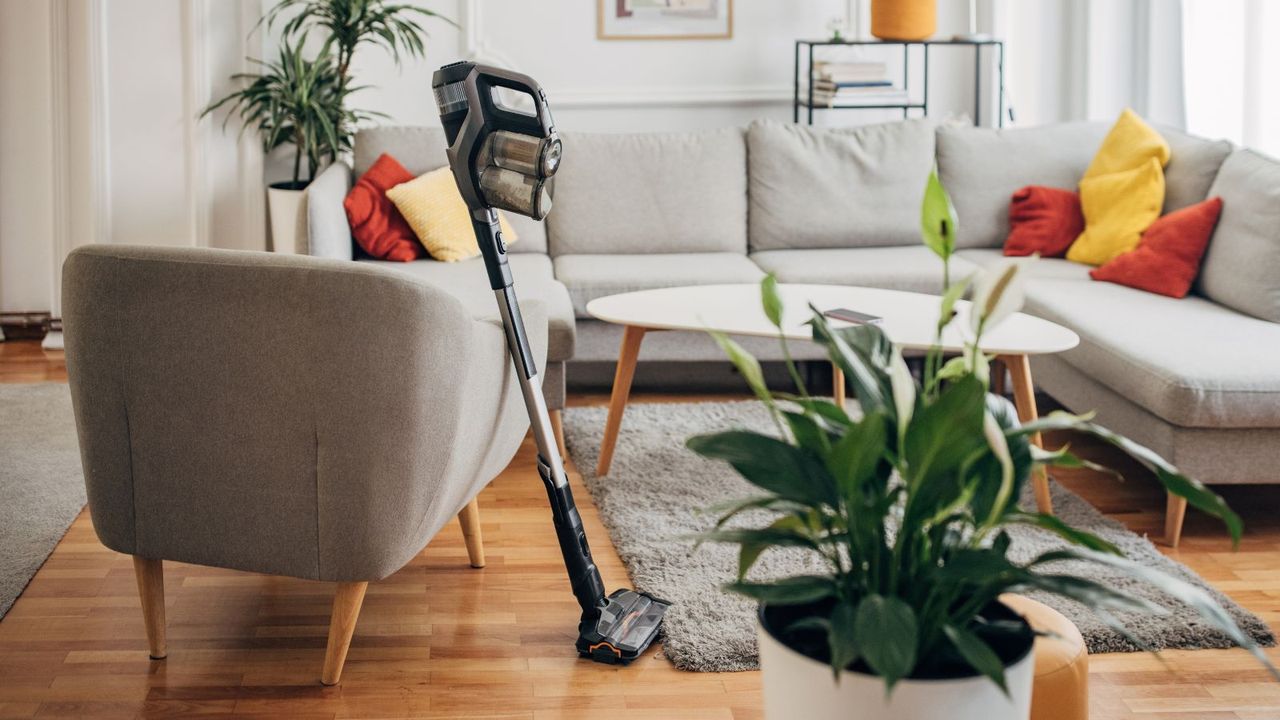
column 592, row 276
column 910, row 268
column 1189, row 361
column 467, row 281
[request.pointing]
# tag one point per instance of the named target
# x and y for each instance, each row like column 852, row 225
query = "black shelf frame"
column 906, row 107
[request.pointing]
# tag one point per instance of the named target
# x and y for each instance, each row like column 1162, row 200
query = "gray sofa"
column 1191, row 378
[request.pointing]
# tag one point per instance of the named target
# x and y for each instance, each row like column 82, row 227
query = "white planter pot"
column 796, row 686
column 288, row 211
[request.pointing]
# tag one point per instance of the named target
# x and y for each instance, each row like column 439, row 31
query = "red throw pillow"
column 376, row 224
column 1168, row 257
column 1043, row 220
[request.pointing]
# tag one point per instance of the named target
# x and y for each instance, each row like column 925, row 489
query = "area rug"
column 41, row 486
column 656, row 493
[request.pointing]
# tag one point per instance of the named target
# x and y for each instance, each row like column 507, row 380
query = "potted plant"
column 304, row 102
column 292, row 101
column 907, row 507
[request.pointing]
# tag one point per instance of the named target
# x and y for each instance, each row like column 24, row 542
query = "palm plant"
column 348, row 24
column 295, row 101
column 908, row 506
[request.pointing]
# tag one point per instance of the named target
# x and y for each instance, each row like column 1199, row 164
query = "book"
column 850, row 72
column 820, row 84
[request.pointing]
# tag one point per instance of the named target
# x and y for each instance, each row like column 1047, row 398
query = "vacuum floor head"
column 627, row 625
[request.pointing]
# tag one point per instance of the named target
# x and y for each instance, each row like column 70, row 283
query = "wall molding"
column 60, row 101
column 673, row 96
column 196, row 86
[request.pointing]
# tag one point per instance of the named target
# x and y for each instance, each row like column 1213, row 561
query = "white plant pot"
column 796, row 686
column 288, row 211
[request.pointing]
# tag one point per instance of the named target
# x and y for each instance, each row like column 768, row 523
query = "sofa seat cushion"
column 650, row 192
column 914, row 268
column 1036, row 269
column 592, row 276
column 1188, row 361
column 468, row 281
column 837, row 188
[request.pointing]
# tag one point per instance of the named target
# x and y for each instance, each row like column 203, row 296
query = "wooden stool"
column 1061, row 689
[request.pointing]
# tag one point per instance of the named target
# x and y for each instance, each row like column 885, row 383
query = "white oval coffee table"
column 909, row 319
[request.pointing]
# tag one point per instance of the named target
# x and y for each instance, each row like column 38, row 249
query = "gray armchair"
column 287, row 415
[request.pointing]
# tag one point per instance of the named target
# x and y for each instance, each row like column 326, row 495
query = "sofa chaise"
column 1192, row 378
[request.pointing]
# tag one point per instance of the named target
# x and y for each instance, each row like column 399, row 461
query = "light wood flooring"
column 441, row 640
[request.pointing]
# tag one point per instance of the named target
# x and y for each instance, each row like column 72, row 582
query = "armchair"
column 281, row 414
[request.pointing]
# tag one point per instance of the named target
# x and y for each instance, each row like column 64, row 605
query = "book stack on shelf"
column 853, row 83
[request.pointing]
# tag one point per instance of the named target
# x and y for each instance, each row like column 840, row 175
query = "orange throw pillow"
column 1043, row 220
column 1168, row 257
column 376, row 224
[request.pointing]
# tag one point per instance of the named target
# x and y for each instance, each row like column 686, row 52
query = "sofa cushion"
column 837, row 188
column 650, row 193
column 1039, row 269
column 1118, row 207
column 1193, row 165
column 1167, row 355
column 467, row 281
column 914, row 268
column 1242, row 268
column 982, row 168
column 591, row 276
column 421, row 149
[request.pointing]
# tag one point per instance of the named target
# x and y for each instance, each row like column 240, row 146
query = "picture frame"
column 664, row 19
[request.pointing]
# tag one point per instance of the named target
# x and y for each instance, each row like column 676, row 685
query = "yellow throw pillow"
column 1128, row 145
column 1118, row 208
column 435, row 210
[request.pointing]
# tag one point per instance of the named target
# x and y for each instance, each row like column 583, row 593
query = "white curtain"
column 1232, row 63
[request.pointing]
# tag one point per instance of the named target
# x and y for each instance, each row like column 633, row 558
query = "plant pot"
column 798, row 686
column 904, row 19
column 287, row 207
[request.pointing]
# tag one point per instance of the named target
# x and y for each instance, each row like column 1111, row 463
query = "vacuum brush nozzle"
column 627, row 625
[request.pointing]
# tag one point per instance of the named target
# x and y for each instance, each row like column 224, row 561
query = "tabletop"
column 909, row 319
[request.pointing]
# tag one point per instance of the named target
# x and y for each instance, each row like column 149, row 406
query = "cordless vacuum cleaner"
column 505, row 158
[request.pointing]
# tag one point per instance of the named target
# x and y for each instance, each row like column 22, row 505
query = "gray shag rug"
column 656, row 492
column 41, row 485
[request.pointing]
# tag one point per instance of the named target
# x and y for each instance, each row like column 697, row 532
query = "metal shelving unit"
column 799, row 102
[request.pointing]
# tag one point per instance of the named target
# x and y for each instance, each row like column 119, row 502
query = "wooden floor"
column 441, row 640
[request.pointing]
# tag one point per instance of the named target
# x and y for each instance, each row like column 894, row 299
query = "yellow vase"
column 904, row 19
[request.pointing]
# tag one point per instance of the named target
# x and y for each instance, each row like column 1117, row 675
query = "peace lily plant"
column 908, row 505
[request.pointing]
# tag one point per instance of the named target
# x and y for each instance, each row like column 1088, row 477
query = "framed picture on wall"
column 665, row 20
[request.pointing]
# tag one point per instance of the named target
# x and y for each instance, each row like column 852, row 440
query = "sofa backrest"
column 421, row 149
column 650, row 193
column 837, row 188
column 1242, row 266
column 982, row 167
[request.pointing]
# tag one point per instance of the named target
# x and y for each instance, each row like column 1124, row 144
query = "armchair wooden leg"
column 470, row 519
column 1174, row 513
column 346, row 609
column 150, row 575
column 557, row 427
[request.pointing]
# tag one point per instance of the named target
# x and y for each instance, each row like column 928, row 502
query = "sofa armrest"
column 328, row 234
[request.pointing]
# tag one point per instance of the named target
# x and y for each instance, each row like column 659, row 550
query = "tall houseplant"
column 908, row 508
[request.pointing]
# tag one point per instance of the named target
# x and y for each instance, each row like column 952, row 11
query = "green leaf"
column 746, row 364
column 950, row 297
column 841, row 636
column 1072, row 535
column 771, row 301
column 943, row 434
column 886, row 633
column 825, row 409
column 856, row 456
column 977, row 653
column 870, row 381
column 751, row 551
column 795, row 590
column 771, row 464
column 938, row 218
column 956, row 367
column 807, row 433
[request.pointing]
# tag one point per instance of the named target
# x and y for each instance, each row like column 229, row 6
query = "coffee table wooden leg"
column 627, row 354
column 837, row 385
column 1024, row 398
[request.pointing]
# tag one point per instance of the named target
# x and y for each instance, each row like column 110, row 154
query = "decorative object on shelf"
column 906, row 508
column 301, row 101
column 972, row 35
column 821, row 85
column 836, row 26
column 904, row 19
column 664, row 20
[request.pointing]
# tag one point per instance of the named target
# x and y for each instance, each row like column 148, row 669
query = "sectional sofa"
column 1195, row 379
